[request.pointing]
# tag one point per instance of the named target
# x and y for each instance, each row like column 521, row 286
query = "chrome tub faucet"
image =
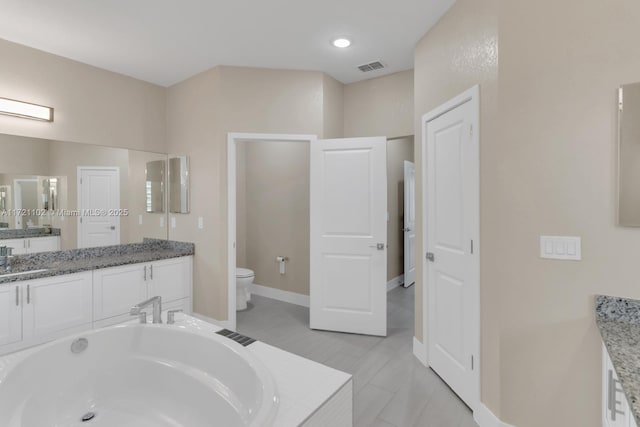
column 156, row 302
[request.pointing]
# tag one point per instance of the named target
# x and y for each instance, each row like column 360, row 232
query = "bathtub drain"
column 88, row 417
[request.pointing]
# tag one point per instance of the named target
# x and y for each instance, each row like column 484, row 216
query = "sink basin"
column 22, row 273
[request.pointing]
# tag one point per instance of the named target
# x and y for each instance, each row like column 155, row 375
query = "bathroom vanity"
column 54, row 294
column 618, row 320
column 30, row 240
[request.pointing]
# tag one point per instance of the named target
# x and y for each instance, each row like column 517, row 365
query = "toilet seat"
column 242, row 273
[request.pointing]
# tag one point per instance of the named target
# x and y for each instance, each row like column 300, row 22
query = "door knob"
column 406, row 229
column 113, row 227
column 431, row 257
column 378, row 246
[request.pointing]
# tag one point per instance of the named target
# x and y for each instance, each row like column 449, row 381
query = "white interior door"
column 98, row 202
column 409, row 223
column 452, row 227
column 348, row 235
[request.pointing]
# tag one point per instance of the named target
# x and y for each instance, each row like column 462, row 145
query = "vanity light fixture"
column 26, row 110
column 341, row 42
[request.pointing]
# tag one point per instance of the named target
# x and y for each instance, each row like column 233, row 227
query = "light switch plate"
column 140, row 219
column 200, row 222
column 173, row 222
column 561, row 247
column 161, row 221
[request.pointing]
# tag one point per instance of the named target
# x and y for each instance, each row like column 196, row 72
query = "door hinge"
column 472, row 246
column 80, row 181
column 431, row 257
column 80, row 220
column 470, row 130
column 472, row 362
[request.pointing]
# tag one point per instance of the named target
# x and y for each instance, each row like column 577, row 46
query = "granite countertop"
column 77, row 260
column 13, row 233
column 619, row 322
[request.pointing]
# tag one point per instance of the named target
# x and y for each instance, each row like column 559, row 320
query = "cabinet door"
column 116, row 290
column 10, row 314
column 19, row 245
column 56, row 304
column 170, row 278
column 43, row 244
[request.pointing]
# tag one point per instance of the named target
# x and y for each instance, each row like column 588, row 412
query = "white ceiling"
column 167, row 41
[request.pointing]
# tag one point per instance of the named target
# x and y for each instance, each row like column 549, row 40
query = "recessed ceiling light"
column 341, row 42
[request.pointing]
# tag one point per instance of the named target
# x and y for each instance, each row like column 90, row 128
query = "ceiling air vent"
column 372, row 66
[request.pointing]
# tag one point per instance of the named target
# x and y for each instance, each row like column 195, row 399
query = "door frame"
column 472, row 96
column 79, row 198
column 232, row 139
column 404, row 216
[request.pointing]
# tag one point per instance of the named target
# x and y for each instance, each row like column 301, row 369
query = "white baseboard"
column 420, row 351
column 222, row 323
column 395, row 282
column 286, row 296
column 485, row 418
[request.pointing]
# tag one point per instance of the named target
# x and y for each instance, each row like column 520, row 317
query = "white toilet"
column 244, row 278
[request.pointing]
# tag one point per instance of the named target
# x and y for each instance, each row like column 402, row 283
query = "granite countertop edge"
column 618, row 321
column 80, row 260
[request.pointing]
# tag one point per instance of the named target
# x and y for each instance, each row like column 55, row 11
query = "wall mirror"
column 179, row 184
column 92, row 195
column 154, row 186
column 629, row 155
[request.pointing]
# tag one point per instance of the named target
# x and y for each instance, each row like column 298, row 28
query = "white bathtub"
column 137, row 376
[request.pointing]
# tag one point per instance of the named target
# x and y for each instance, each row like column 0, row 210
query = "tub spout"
column 156, row 302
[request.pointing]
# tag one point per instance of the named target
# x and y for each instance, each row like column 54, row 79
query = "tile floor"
column 391, row 388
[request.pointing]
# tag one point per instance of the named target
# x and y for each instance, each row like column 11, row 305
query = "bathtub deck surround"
column 257, row 386
column 77, row 260
column 618, row 320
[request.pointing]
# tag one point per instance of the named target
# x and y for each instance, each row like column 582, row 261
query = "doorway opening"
column 254, row 182
column 261, row 181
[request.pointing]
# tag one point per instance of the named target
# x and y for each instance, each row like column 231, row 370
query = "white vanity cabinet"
column 43, row 244
column 10, row 315
column 118, row 289
column 35, row 311
column 615, row 408
column 32, row 245
column 55, row 304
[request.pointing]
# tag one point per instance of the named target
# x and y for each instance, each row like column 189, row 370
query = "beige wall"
column 91, row 105
column 276, row 204
column 398, row 150
column 564, row 88
column 380, row 107
column 332, row 107
column 200, row 113
column 548, row 166
column 459, row 52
